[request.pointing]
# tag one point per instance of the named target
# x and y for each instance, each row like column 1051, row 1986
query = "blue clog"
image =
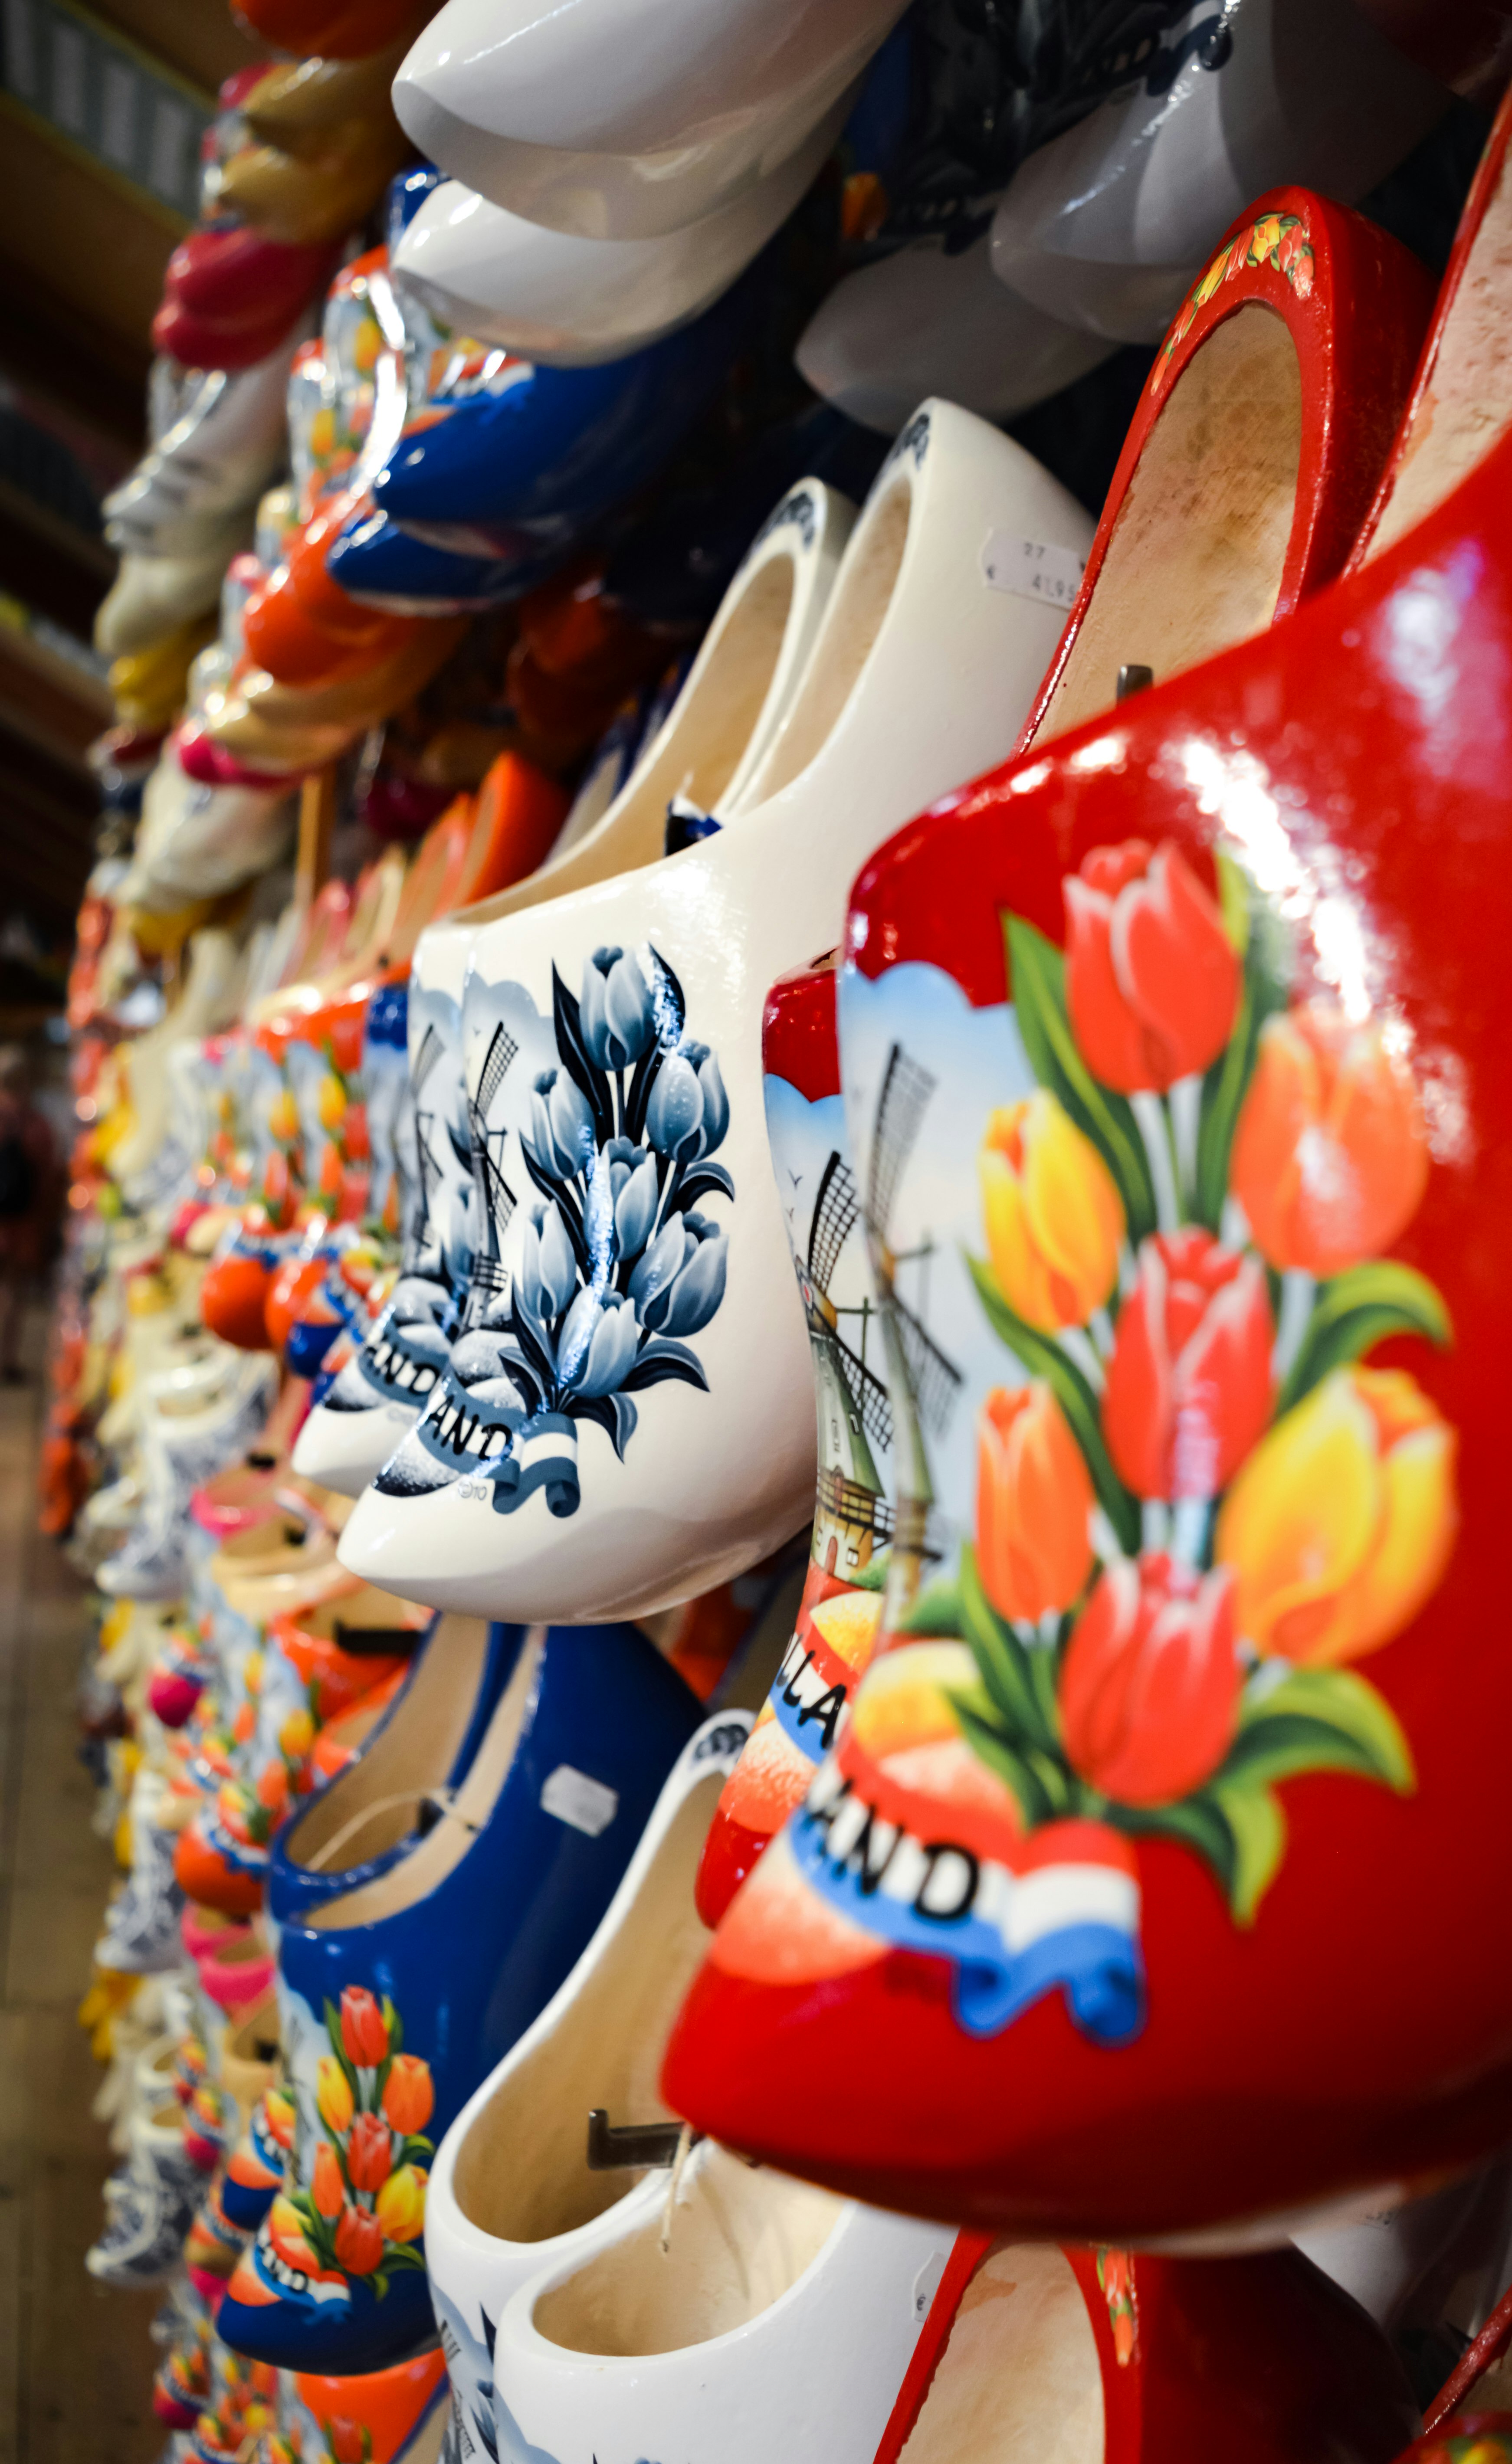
column 375, row 561
column 531, row 459
column 397, row 1998
column 415, row 1759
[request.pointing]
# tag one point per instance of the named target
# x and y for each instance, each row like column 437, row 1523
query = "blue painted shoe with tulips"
column 397, row 1998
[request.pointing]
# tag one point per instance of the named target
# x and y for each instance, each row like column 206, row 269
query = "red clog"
column 1125, row 1906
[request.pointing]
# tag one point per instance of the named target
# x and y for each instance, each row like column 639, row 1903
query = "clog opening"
column 1019, row 2375
column 740, row 2237
column 1465, row 409
column 698, row 752
column 852, row 621
column 348, row 1618
column 417, row 1751
column 416, row 1876
column 521, row 2172
column 1199, row 542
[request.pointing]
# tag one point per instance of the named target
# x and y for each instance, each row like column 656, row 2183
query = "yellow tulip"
column 1340, row 1525
column 400, row 2204
column 332, row 2095
column 331, row 1101
column 1054, row 1218
column 905, row 1697
column 296, row 1735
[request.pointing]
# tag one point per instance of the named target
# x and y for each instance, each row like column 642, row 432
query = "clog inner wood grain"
column 1019, row 2375
column 1195, row 559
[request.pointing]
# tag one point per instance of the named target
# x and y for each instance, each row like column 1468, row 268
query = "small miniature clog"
column 522, row 1866
column 699, row 107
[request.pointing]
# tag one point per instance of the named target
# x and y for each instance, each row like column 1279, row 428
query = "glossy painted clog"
column 386, row 2032
column 724, row 722
column 393, row 2416
column 335, row 29
column 582, row 1393
column 1255, row 450
column 841, row 1603
column 512, row 2193
column 380, row 566
column 570, row 302
column 1119, row 1993
column 1105, row 2357
column 416, row 1757
column 153, row 595
column 528, row 457
column 1108, row 224
column 208, row 467
column 520, row 104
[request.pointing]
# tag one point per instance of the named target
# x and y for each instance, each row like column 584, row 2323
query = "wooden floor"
column 75, row 2361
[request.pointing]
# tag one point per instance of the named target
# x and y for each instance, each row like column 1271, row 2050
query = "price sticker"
column 1032, row 568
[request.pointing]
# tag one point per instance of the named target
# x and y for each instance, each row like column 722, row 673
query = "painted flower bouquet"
column 1197, row 1509
column 364, row 2208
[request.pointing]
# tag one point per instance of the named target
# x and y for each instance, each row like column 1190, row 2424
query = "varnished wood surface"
column 75, row 2361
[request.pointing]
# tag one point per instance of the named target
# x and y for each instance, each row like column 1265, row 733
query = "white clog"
column 926, row 322
column 626, row 119
column 1109, row 225
column 759, row 2317
column 723, row 724
column 154, row 595
column 511, row 2195
column 570, row 302
column 198, row 842
column 583, row 1457
column 201, row 480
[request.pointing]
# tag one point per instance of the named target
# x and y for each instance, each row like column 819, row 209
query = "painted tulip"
column 1054, row 1219
column 1151, row 1679
column 561, row 1136
column 617, row 1020
column 296, row 1734
column 369, row 2152
column 598, row 1343
column 1189, row 1386
column 409, row 2096
column 287, row 2233
column 349, row 2441
column 365, row 2031
column 688, row 1110
column 1033, row 1500
column 332, row 2094
column 401, row 2206
column 547, row 1274
column 634, row 1190
column 358, row 2241
column 1151, row 978
column 327, row 2188
column 1329, row 1158
column 1342, row 1522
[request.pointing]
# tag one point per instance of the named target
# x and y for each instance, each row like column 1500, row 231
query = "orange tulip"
column 1329, row 1158
column 327, row 2188
column 332, row 2094
column 400, row 2204
column 1033, row 1499
column 1342, row 1522
column 1054, row 1219
column 409, row 2096
column 286, row 2233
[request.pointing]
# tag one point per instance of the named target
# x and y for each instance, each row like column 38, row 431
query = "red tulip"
column 369, row 2157
column 347, row 2440
column 1189, row 1387
column 365, row 2032
column 358, row 2241
column 1152, row 979
column 1149, row 1684
column 1330, row 1158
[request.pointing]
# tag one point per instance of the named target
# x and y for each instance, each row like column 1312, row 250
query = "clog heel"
column 1175, row 1059
column 386, row 2031
column 512, row 2193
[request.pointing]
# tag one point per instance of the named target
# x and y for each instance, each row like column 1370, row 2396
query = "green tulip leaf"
column 1317, row 1720
column 1002, row 1662
column 1041, row 1357
column 1039, row 1793
column 401, row 2254
column 1361, row 1307
column 936, row 1611
column 1036, row 984
column 1196, row 1822
column 1227, row 1083
column 1258, row 1829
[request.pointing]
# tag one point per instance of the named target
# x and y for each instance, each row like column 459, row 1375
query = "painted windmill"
column 924, row 1383
column 495, row 1196
column 425, row 1061
column 855, row 1416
